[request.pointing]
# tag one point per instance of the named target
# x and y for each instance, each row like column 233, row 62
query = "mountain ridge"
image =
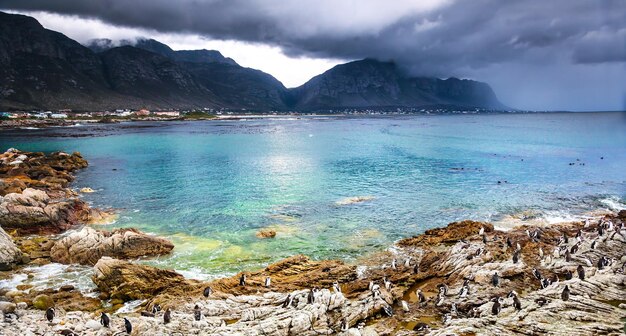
column 44, row 69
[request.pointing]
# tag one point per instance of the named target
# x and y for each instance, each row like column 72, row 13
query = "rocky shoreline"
column 465, row 279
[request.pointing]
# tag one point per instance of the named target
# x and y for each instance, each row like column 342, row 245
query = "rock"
column 450, row 234
column 127, row 281
column 353, row 200
column 7, row 307
column 87, row 246
column 93, row 325
column 43, row 302
column 266, row 233
column 87, row 190
column 10, row 255
column 66, row 288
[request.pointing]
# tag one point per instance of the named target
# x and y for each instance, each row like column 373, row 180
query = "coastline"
column 447, row 255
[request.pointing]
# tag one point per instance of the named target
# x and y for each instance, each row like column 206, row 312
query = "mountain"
column 370, row 83
column 43, row 69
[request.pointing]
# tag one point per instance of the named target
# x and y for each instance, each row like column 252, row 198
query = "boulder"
column 87, row 246
column 450, row 234
column 33, row 211
column 10, row 255
column 266, row 233
column 7, row 307
column 128, row 281
column 43, row 302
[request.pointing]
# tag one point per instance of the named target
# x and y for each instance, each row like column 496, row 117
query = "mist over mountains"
column 44, row 69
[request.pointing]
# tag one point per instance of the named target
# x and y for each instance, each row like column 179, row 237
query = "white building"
column 58, row 116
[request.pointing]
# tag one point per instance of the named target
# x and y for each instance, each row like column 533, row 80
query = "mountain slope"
column 374, row 84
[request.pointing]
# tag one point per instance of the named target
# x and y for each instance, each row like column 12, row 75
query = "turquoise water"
column 210, row 185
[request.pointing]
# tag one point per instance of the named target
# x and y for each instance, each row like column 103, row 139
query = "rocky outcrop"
column 128, row 281
column 10, row 255
column 33, row 192
column 87, row 246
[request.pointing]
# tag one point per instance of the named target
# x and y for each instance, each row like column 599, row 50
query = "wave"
column 613, row 203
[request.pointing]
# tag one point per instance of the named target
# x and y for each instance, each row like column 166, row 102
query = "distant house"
column 142, row 112
column 168, row 113
column 58, row 116
column 40, row 115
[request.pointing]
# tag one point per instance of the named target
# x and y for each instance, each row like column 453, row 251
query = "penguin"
column 481, row 231
column 268, row 282
column 516, row 303
column 128, row 326
column 537, row 274
column 496, row 307
column 50, row 314
column 242, row 279
column 407, row 262
column 421, row 299
column 454, row 311
column 555, row 279
column 167, row 316
column 443, row 289
column 587, row 262
column 146, row 314
column 600, row 230
column 528, row 233
column 601, row 263
column 565, row 293
column 587, row 223
column 310, row 298
column 446, row 319
column 371, row 285
column 405, row 306
column 105, row 320
column 485, row 239
column 344, row 324
column 518, row 247
column 565, row 238
column 440, row 299
column 287, row 301
column 388, row 310
column 416, row 269
column 509, row 243
column 581, row 272
column 156, row 308
column 421, row 327
column 540, row 253
column 336, row 287
column 542, row 301
column 568, row 275
column 387, row 283
column 516, row 256
column 495, row 280
column 393, row 264
column 207, row 292
column 197, row 313
column 593, row 244
column 464, row 291
column 556, row 253
column 545, row 283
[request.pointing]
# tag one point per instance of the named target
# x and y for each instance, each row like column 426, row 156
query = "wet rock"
column 7, row 307
column 87, row 246
column 10, row 255
column 43, row 302
column 127, row 281
column 450, row 234
column 266, row 233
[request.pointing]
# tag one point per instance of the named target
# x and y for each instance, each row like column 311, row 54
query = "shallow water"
column 210, row 185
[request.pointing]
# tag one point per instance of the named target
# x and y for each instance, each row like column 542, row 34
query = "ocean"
column 337, row 187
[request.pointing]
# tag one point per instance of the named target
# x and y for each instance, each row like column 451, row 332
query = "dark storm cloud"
column 441, row 38
column 454, row 35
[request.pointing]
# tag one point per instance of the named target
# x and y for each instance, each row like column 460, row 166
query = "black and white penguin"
column 568, row 256
column 387, row 283
column 50, row 314
column 574, row 248
column 481, row 231
column 416, row 269
column 495, row 280
column 485, row 239
column 601, row 263
column 565, row 238
column 167, row 316
column 497, row 306
column 516, row 256
column 565, row 293
column 509, row 243
column 542, row 301
column 421, row 327
column 464, row 291
column 421, row 299
column 287, row 301
column 540, row 253
column 440, row 299
column 268, row 282
column 242, row 279
column 454, row 311
column 581, row 272
column 105, row 320
column 156, row 308
column 388, row 310
column 197, row 313
column 446, row 318
column 344, row 324
column 310, row 298
column 336, row 287
column 128, row 326
column 405, row 306
column 443, row 289
column 545, row 283
column 516, row 303
column 537, row 274
column 207, row 292
column 407, row 262
column 393, row 264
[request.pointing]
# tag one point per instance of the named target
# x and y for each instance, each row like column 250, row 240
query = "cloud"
column 433, row 38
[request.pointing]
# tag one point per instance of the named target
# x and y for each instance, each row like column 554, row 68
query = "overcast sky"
column 536, row 54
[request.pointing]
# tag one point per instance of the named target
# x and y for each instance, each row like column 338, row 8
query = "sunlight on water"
column 337, row 187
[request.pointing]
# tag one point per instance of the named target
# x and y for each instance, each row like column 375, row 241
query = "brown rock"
column 87, row 246
column 10, row 255
column 450, row 234
column 127, row 281
column 266, row 233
